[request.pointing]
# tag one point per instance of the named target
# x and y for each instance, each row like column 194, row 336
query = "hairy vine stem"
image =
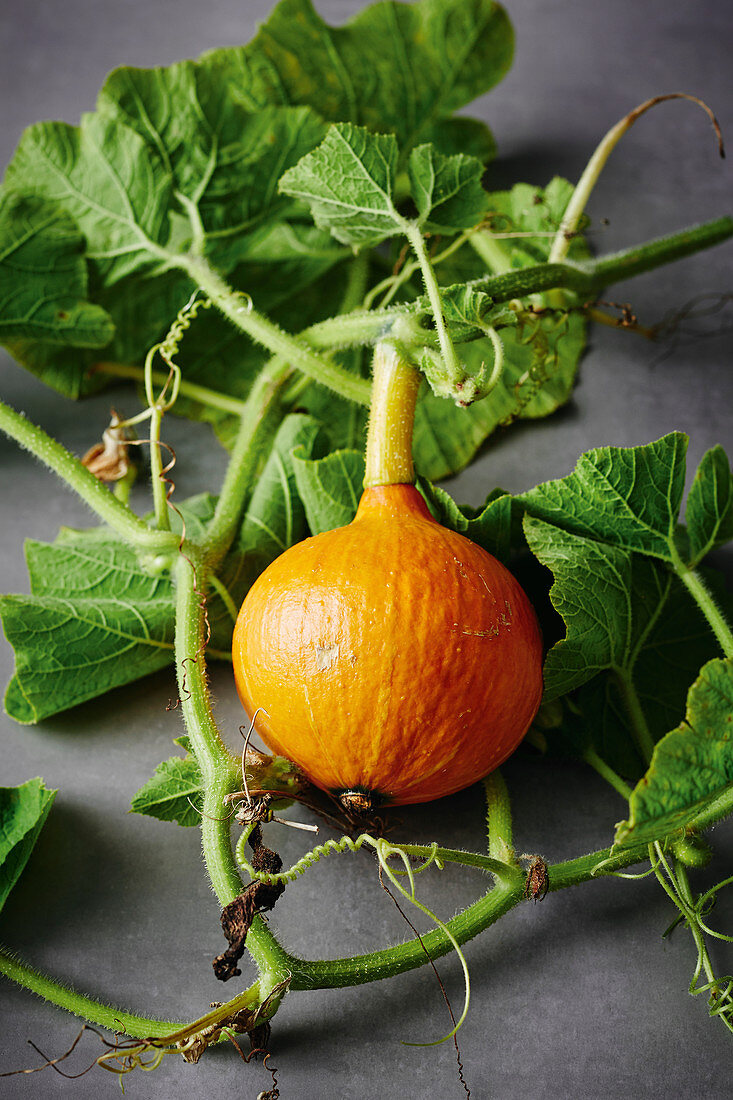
column 587, row 279
column 79, row 1004
column 219, row 769
column 294, row 350
column 102, row 502
column 697, row 588
column 259, row 416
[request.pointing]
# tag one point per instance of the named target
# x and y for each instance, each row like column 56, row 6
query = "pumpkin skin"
column 392, row 656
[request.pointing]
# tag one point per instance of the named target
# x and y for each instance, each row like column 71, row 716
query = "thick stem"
column 389, row 436
column 219, row 770
column 103, row 503
column 141, row 1027
column 218, row 767
column 484, row 912
column 587, row 279
column 128, row 1023
column 290, row 348
column 258, row 421
column 479, row 916
column 335, row 973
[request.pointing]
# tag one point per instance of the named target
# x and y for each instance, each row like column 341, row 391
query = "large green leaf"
column 43, row 277
column 635, row 642
column 608, row 599
column 141, row 309
column 71, row 650
column 627, row 496
column 286, row 274
column 113, row 184
column 691, row 766
column 121, row 174
column 630, row 497
column 225, row 160
column 23, row 811
column 403, row 68
column 635, row 639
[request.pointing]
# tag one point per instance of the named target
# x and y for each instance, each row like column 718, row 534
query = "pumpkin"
column 392, row 656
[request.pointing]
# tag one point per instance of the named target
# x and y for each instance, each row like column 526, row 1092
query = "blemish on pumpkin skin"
column 326, row 656
column 483, row 633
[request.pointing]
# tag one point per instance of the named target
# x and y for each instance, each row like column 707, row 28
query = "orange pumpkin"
column 392, row 657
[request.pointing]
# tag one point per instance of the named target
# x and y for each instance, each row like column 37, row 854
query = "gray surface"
column 577, row 997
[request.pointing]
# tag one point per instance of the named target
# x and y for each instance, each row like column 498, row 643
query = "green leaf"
column 402, row 68
column 224, row 159
column 329, row 487
column 608, row 599
column 635, row 639
column 99, row 616
column 709, row 512
column 276, row 518
column 691, row 766
column 175, row 791
column 348, row 182
column 91, row 565
column 141, row 309
column 627, row 496
column 110, row 181
column 666, row 664
column 71, row 650
column 287, row 274
column 23, row 811
column 447, row 190
column 43, row 277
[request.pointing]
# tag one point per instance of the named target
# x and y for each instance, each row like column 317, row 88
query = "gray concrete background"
column 578, row 997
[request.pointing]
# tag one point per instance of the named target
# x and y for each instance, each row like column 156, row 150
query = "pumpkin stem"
column 389, row 437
